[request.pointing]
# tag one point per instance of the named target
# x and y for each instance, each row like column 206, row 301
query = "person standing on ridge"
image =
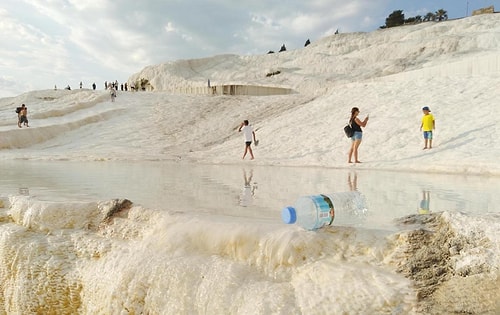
column 248, row 135
column 23, row 116
column 356, row 124
column 427, row 126
column 112, row 93
column 18, row 112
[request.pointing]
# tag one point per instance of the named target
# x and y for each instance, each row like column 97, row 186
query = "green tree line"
column 397, row 18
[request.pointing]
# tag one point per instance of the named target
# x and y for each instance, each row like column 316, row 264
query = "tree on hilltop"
column 396, row 18
column 441, row 15
column 429, row 17
column 411, row 20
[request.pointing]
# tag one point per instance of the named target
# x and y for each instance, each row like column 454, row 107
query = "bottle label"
column 326, row 212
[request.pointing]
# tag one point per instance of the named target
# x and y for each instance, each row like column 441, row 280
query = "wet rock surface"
column 430, row 252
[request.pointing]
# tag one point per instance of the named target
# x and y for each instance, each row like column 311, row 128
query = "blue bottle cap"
column 289, row 215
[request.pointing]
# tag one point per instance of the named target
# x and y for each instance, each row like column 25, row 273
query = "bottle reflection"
column 425, row 202
column 248, row 192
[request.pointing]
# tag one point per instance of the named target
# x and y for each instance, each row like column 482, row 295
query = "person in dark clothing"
column 356, row 124
column 23, row 116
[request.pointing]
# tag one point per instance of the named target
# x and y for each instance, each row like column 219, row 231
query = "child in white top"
column 248, row 135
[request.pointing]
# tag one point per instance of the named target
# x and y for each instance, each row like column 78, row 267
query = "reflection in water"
column 352, row 182
column 425, row 202
column 248, row 192
column 361, row 204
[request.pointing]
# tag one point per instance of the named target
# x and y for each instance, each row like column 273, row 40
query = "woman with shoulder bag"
column 356, row 124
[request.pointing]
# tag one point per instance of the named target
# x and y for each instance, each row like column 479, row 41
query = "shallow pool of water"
column 245, row 191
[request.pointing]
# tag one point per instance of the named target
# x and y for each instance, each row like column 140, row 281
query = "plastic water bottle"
column 314, row 212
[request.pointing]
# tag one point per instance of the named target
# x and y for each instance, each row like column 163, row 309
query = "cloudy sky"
column 62, row 42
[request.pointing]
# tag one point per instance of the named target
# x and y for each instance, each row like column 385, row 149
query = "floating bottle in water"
column 314, row 212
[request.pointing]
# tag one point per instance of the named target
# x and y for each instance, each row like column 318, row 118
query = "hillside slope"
column 343, row 58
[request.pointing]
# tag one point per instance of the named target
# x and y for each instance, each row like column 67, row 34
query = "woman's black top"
column 355, row 126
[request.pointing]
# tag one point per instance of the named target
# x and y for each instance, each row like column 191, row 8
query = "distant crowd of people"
column 107, row 86
column 113, row 87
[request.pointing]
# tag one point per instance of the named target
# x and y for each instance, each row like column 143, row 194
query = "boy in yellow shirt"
column 427, row 126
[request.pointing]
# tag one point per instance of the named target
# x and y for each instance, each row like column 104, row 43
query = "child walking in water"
column 248, row 135
column 427, row 126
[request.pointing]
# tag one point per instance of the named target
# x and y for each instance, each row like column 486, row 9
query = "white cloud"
column 169, row 28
